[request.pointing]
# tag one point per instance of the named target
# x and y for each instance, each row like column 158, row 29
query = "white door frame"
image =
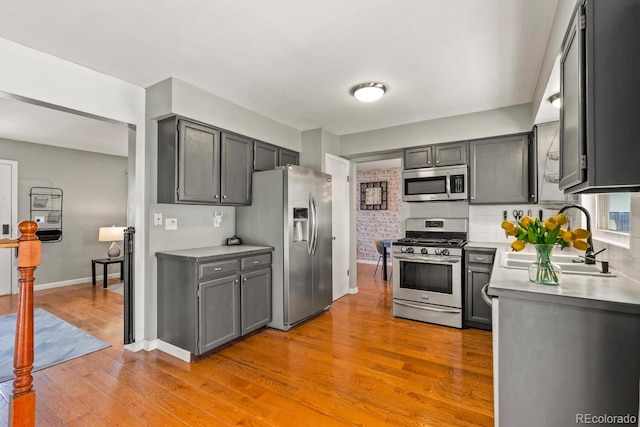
column 345, row 239
column 14, row 221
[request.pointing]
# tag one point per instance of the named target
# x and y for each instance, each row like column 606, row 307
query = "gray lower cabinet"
column 479, row 263
column 206, row 300
column 199, row 164
column 503, row 170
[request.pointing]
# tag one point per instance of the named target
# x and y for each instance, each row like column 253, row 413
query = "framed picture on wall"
column 373, row 195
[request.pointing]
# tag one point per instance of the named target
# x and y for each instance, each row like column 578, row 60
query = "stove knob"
column 445, row 252
column 424, row 251
column 409, row 250
column 403, row 249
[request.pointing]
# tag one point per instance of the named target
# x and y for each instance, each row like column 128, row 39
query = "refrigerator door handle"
column 314, row 225
column 310, row 227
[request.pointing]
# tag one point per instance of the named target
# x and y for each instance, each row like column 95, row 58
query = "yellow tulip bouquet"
column 545, row 235
column 550, row 232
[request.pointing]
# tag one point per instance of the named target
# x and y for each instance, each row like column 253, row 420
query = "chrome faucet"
column 589, row 255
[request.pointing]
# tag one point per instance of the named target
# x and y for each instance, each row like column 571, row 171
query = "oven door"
column 421, row 185
column 428, row 279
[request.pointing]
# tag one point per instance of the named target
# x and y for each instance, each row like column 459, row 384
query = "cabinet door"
column 256, row 299
column 198, row 163
column 477, row 312
column 265, row 156
column 418, row 158
column 288, row 157
column 499, row 170
column 219, row 312
column 450, row 154
column 237, row 163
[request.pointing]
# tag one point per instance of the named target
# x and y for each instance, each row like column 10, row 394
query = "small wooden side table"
column 105, row 263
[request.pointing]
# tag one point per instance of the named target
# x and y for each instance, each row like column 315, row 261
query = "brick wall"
column 378, row 224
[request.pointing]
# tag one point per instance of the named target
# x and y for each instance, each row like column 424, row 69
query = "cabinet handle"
column 480, row 258
column 244, row 280
column 256, row 262
column 215, row 196
column 224, row 197
column 217, row 269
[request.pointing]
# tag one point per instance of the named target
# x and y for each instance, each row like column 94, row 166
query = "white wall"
column 97, row 200
column 502, row 121
column 44, row 78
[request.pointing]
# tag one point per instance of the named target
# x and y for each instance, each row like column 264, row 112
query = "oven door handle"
column 427, row 261
column 422, row 307
column 485, row 295
column 448, row 185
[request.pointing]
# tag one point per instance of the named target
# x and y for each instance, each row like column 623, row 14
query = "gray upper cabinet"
column 599, row 87
column 288, row 157
column 236, row 166
column 450, row 154
column 199, row 164
column 503, row 170
column 265, row 156
column 421, row 157
column 268, row 156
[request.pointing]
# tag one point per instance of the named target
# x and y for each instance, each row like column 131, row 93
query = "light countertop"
column 619, row 293
column 215, row 251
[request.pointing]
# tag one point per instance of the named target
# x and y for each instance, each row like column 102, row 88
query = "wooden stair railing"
column 22, row 405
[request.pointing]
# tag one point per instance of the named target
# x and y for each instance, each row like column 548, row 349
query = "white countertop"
column 215, row 251
column 619, row 293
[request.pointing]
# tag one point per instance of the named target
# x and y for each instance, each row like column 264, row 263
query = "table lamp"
column 112, row 234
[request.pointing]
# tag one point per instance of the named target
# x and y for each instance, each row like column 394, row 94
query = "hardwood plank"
column 353, row 365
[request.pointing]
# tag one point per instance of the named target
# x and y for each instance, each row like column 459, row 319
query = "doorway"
column 339, row 168
column 384, row 223
column 8, row 224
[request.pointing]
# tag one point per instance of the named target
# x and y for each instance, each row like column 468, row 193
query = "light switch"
column 157, row 218
column 171, row 224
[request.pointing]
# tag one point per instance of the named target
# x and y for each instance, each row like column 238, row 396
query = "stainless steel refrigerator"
column 291, row 211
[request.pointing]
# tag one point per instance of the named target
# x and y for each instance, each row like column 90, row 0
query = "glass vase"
column 543, row 271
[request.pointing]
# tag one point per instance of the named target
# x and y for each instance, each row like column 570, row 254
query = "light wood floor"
column 353, row 365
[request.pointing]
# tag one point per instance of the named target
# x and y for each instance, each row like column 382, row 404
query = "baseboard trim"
column 60, row 284
column 174, row 351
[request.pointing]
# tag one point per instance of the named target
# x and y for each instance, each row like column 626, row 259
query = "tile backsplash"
column 485, row 220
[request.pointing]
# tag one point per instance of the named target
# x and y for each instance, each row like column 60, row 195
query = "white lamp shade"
column 111, row 234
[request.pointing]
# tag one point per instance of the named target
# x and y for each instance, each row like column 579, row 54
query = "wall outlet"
column 39, row 219
column 171, row 224
column 157, row 218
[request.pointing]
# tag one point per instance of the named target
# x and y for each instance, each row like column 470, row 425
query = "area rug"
column 55, row 341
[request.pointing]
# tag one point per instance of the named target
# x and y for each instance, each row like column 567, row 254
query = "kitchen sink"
column 521, row 260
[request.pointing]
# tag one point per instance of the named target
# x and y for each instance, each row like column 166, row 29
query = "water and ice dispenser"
column 300, row 224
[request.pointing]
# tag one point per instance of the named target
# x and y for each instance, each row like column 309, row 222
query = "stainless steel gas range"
column 427, row 271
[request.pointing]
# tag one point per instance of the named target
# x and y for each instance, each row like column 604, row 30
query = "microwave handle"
column 448, row 185
column 472, row 188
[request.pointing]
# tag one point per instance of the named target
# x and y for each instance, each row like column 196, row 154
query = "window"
column 613, row 212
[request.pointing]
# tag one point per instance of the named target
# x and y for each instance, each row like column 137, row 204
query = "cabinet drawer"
column 217, row 268
column 481, row 258
column 255, row 261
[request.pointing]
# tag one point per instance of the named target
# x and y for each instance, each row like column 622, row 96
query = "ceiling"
column 294, row 61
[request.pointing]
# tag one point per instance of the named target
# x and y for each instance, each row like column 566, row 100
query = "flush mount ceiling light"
column 368, row 92
column 555, row 100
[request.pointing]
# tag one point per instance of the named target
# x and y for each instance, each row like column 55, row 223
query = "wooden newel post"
column 22, row 408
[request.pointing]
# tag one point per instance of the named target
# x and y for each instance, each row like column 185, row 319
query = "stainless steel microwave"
column 441, row 183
